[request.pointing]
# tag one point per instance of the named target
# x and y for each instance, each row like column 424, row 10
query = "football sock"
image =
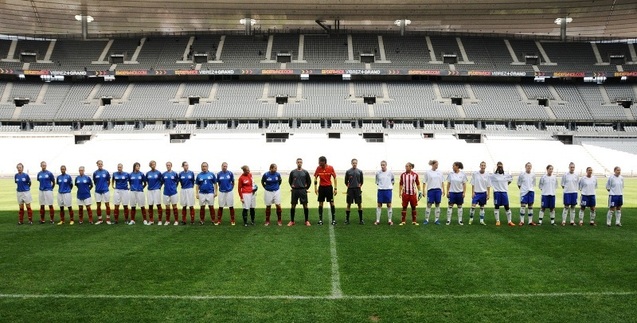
column 268, row 211
column 573, row 214
column 347, row 215
column 71, row 215
column 540, row 216
column 449, row 212
column 144, row 212
column 132, row 213
column 81, row 216
column 581, row 215
column 333, row 210
column 390, row 213
column 62, row 214
column 202, row 214
column 413, row 214
column 306, row 213
column 530, row 214
column 244, row 214
column 472, row 211
column 42, row 213
column 403, row 214
column 160, row 213
column 292, row 213
column 496, row 213
column 378, row 211
column 609, row 216
column 427, row 213
column 192, row 214
column 167, row 214
column 618, row 217
column 90, row 214
column 231, row 214
column 278, row 213
column 360, row 215
column 21, row 215
column 320, row 209
column 51, row 212
column 522, row 213
column 183, row 214
column 508, row 212
column 481, row 214
column 565, row 214
column 437, row 213
column 592, row 216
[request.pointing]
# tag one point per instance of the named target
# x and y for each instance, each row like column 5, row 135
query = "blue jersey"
column 170, row 180
column 226, row 181
column 23, row 182
column 206, row 182
column 121, row 180
column 65, row 183
column 137, row 181
column 187, row 179
column 154, row 180
column 102, row 179
column 84, row 185
column 47, row 180
column 271, row 181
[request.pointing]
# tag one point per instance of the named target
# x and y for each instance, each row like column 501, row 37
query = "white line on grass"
column 325, row 297
column 337, row 292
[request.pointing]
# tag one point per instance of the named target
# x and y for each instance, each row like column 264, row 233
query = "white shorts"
column 137, row 199
column 121, row 197
column 103, row 197
column 24, row 197
column 86, row 201
column 154, row 197
column 249, row 200
column 207, row 199
column 46, row 197
column 64, row 200
column 187, row 197
column 171, row 200
column 226, row 199
column 273, row 197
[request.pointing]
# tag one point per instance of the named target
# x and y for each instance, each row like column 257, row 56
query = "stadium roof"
column 601, row 18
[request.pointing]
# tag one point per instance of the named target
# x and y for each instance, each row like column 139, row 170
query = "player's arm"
column 263, row 181
column 334, row 179
column 52, row 180
column 443, row 188
column 360, row 175
column 291, row 181
column 473, row 191
column 239, row 189
column 308, row 180
column 315, row 183
column 28, row 180
column 520, row 181
column 144, row 181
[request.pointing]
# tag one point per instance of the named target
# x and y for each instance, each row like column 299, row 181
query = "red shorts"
column 410, row 199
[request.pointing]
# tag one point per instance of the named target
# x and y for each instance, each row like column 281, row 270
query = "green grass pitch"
column 345, row 273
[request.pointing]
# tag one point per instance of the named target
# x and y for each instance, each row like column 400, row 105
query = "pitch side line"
column 337, row 292
column 326, row 297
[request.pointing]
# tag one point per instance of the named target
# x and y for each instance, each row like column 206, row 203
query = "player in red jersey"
column 246, row 188
column 409, row 185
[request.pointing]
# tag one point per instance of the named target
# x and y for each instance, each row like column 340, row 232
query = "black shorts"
column 299, row 195
column 354, row 195
column 326, row 193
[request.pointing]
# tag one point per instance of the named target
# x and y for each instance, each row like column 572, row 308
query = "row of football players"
column 128, row 190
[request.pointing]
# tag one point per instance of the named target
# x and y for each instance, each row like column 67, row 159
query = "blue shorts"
column 529, row 198
column 480, row 198
column 570, row 198
column 548, row 201
column 434, row 196
column 500, row 199
column 615, row 200
column 588, row 201
column 384, row 196
column 456, row 198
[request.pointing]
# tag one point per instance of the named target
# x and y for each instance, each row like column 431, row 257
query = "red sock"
column 71, row 215
column 42, row 213
column 144, row 213
column 232, row 214
column 278, row 213
column 403, row 214
column 90, row 214
column 175, row 213
column 62, row 214
column 108, row 212
column 167, row 214
column 132, row 213
column 116, row 213
column 202, row 213
column 413, row 215
column 150, row 213
column 21, row 215
column 30, row 214
column 219, row 214
column 51, row 212
column 126, row 213
column 192, row 214
column 268, row 210
column 183, row 215
column 99, row 214
column 159, row 213
column 82, row 215
column 211, row 210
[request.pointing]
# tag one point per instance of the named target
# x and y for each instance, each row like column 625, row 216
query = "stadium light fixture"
column 398, row 22
column 243, row 21
column 88, row 18
column 558, row 21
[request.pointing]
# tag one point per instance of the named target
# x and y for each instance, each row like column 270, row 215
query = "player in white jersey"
column 615, row 188
column 569, row 183
column 548, row 186
column 432, row 185
column 500, row 183
column 480, row 190
column 456, row 188
column 385, row 183
column 587, row 185
column 526, row 184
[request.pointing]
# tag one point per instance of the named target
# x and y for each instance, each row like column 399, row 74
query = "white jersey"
column 526, row 182
column 433, row 179
column 548, row 185
column 457, row 182
column 615, row 185
column 588, row 185
column 480, row 181
column 385, row 180
column 570, row 182
column 500, row 182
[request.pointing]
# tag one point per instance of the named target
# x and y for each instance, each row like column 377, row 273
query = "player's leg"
column 390, row 213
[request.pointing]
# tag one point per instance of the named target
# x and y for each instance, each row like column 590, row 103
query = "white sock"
column 460, row 215
column 541, row 216
column 496, row 213
column 564, row 214
column 481, row 215
column 593, row 215
column 509, row 215
column 609, row 216
column 553, row 216
column 472, row 212
column 581, row 215
column 437, row 213
column 530, row 214
column 618, row 217
column 378, row 210
column 522, row 213
column 573, row 214
column 390, row 213
column 449, row 212
column 427, row 212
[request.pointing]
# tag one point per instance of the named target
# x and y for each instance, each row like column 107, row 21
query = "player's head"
column 204, row 167
column 483, row 167
column 571, row 168
column 136, row 167
column 169, row 166
column 299, row 163
column 100, row 164
column 434, row 164
column 549, row 170
column 527, row 167
column 408, row 167
column 245, row 169
column 273, row 168
column 19, row 167
column 499, row 168
column 152, row 164
column 81, row 170
column 120, row 167
column 224, row 166
column 383, row 165
column 322, row 161
column 43, row 165
column 617, row 170
column 184, row 165
column 457, row 166
column 354, row 162
column 589, row 171
column 63, row 169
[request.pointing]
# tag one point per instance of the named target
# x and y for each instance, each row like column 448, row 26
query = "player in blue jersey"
column 170, row 179
column 102, row 180
column 23, row 183
column 225, row 180
column 271, row 182
column 206, row 192
column 137, row 183
column 84, row 186
column 121, row 193
column 154, row 192
column 45, row 196
column 187, row 195
column 65, row 185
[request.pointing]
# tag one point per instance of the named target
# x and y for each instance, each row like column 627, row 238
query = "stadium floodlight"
column 558, row 21
column 244, row 21
column 88, row 18
column 399, row 21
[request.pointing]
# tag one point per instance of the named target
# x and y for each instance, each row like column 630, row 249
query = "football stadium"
column 148, row 140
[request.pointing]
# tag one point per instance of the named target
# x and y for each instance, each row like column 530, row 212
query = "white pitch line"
column 325, row 297
column 337, row 292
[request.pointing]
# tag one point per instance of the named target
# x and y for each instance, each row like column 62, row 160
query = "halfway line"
column 337, row 292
